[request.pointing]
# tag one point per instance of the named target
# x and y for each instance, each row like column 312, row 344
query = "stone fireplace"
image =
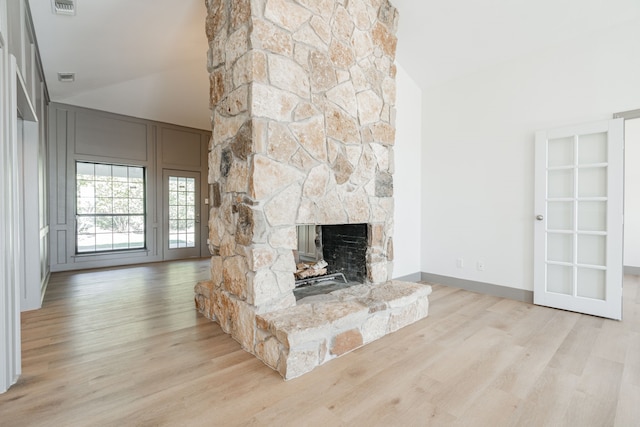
column 302, row 98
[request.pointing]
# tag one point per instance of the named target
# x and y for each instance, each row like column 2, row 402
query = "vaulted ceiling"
column 147, row 58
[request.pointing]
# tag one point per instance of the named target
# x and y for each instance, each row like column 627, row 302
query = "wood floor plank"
column 125, row 346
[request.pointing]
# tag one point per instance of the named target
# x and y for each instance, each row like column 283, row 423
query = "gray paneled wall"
column 79, row 134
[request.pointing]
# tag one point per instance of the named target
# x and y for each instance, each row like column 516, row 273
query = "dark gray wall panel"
column 181, row 148
column 105, row 136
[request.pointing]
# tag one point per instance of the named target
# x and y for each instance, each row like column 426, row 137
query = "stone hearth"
column 303, row 96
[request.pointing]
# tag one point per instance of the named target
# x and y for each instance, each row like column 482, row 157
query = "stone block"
column 402, row 317
column 360, row 14
column 286, row 74
column 260, row 257
column 243, row 324
column 304, row 111
column 310, row 135
column 269, row 352
column 300, row 362
column 269, row 177
column 377, row 272
column 226, row 127
column 237, row 44
column 262, row 287
column 382, row 153
column 285, row 14
column 284, row 237
column 340, row 126
column 369, row 107
column 341, row 54
column 250, row 67
column 383, row 133
column 321, row 28
column 307, row 212
column 216, row 270
column 282, row 209
column 216, row 21
column 315, row 186
column 238, row 177
column 272, row 103
column 323, row 8
column 330, row 209
column 375, row 327
column 383, row 38
column 357, row 206
column 240, row 13
column 384, row 184
column 323, row 75
column 307, row 35
column 346, row 342
column 342, row 26
column 216, row 87
column 271, row 38
column 241, row 144
column 234, row 271
column 281, row 145
column 285, row 262
column 344, row 96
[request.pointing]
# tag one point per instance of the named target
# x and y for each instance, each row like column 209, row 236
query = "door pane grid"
column 576, row 216
column 182, row 210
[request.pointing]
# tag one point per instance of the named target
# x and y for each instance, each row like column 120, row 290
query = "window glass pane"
column 136, row 206
column 560, row 215
column 591, row 283
column 103, row 172
column 86, row 206
column 560, row 279
column 561, row 152
column 592, row 216
column 560, row 247
column 592, row 148
column 104, row 205
column 592, row 182
column 110, row 201
column 85, row 170
column 560, row 183
column 120, row 173
column 136, row 173
column 592, row 249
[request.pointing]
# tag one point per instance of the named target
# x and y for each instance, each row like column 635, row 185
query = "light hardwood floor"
column 124, row 347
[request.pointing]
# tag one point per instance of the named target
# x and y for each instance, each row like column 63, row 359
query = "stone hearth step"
column 296, row 340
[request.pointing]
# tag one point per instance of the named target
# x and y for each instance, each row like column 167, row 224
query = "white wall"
column 407, row 176
column 478, row 135
column 632, row 193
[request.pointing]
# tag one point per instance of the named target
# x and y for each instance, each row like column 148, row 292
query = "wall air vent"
column 66, row 77
column 64, row 7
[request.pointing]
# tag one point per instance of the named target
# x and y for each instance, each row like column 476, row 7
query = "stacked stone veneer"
column 303, row 95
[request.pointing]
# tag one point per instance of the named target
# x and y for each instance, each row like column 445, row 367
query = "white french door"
column 578, row 244
column 181, row 214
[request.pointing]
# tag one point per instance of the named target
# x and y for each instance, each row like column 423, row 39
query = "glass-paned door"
column 181, row 214
column 578, row 232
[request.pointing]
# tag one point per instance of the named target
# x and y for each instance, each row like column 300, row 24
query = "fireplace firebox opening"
column 330, row 257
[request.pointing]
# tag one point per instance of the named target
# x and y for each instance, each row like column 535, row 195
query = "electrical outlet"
column 480, row 265
column 460, row 263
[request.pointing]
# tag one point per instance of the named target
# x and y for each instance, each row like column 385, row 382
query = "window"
column 110, row 207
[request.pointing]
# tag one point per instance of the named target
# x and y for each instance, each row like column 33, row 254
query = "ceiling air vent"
column 64, row 7
column 67, row 77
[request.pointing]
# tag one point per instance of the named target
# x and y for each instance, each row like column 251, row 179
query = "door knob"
column 539, row 217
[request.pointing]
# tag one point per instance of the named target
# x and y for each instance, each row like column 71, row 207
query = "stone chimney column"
column 303, row 114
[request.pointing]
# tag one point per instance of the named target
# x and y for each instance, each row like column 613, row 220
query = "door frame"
column 628, row 115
